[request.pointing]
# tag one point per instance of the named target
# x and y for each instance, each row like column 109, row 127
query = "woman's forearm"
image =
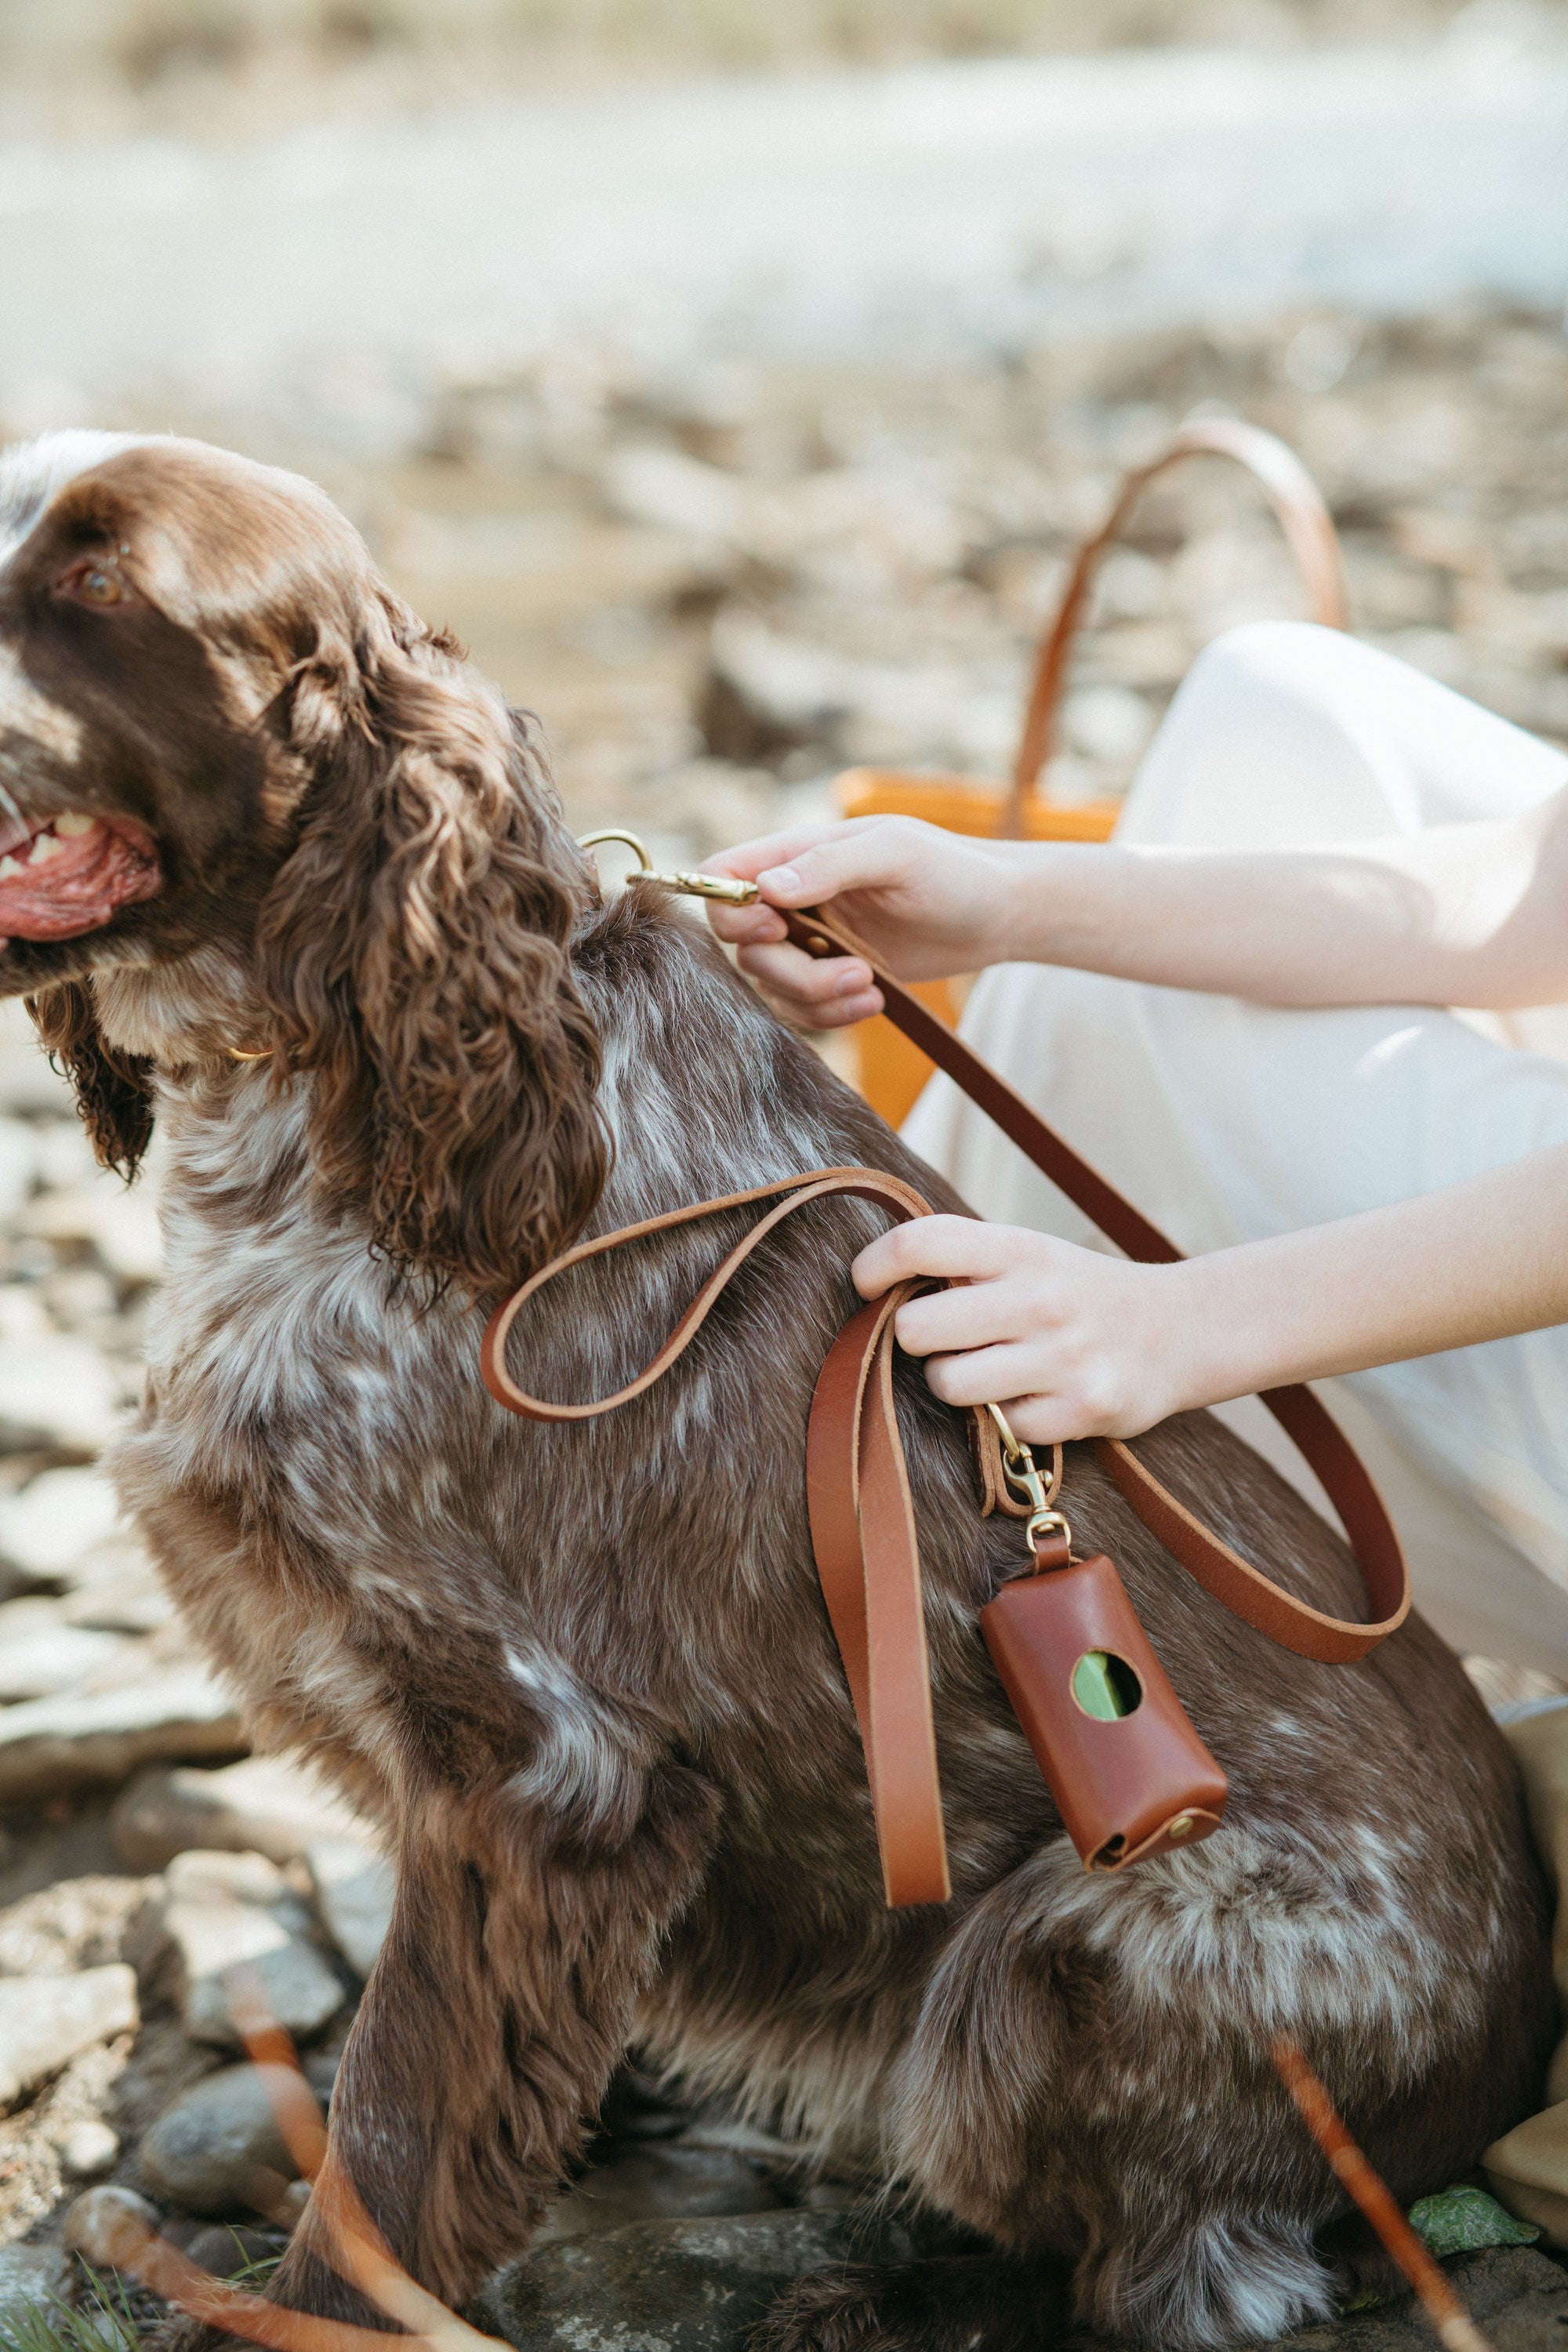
column 1477, row 1261
column 1079, row 1344
column 1474, row 914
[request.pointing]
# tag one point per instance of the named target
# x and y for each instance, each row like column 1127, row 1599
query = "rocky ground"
column 718, row 586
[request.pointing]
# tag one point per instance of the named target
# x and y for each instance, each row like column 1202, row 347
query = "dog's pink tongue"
column 76, row 884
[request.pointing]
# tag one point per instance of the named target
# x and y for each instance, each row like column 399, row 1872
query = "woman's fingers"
column 972, row 1315
column 981, row 1375
column 820, row 992
column 943, row 1246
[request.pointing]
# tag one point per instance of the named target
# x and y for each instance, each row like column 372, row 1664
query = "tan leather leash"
column 862, row 1516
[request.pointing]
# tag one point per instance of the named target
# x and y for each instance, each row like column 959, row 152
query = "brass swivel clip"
column 692, row 885
column 1023, row 1474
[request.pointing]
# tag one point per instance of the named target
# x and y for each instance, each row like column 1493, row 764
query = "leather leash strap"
column 862, row 1519
column 1333, row 1641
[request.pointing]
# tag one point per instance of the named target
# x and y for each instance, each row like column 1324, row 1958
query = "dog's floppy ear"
column 413, row 948
column 113, row 1090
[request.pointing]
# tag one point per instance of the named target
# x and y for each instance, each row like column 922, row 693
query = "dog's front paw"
column 967, row 2303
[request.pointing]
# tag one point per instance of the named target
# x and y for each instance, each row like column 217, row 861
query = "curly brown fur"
column 583, row 1674
column 113, row 1090
column 454, row 1065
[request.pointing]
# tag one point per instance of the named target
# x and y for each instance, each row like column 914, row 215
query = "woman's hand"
column 1069, row 1343
column 926, row 903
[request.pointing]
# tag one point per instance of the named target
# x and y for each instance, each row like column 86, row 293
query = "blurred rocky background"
column 743, row 428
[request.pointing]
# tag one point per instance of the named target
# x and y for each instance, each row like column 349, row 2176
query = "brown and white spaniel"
column 583, row 1674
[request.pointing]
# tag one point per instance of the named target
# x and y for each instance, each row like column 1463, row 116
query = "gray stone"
column 218, row 2148
column 225, row 1913
column 660, row 2183
column 31, row 2278
column 50, row 1745
column 45, row 2020
column 230, row 2253
column 671, row 2286
column 264, row 1804
column 1516, row 2296
column 354, row 1890
column 109, row 2226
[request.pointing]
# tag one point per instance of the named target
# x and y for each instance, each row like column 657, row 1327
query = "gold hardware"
column 618, row 833
column 1045, row 1523
column 705, row 885
column 690, row 886
column 1181, row 1827
column 1021, row 1473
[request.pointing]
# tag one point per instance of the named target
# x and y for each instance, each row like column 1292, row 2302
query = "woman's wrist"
column 1032, row 875
column 1229, row 1325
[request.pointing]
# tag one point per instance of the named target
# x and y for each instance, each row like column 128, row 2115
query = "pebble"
column 354, row 1890
column 109, row 2226
column 57, row 1515
column 227, row 2251
column 27, row 1083
column 224, row 1912
column 218, row 2148
column 671, row 2286
column 18, row 1164
column 649, row 482
column 122, row 1227
column 50, row 1745
column 115, row 1589
column 87, row 2147
column 40, row 1663
column 74, row 1924
column 62, row 1392
column 659, row 2183
column 264, row 1804
column 45, row 2020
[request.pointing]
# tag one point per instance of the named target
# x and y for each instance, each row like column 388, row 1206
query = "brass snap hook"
column 1021, row 1473
column 690, row 886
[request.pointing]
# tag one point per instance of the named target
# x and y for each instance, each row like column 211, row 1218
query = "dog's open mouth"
column 70, row 875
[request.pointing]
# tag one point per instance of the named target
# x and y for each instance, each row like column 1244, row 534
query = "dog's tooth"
column 9, row 866
column 73, row 823
column 42, row 844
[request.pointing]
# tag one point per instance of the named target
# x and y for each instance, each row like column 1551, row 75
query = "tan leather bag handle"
column 1308, row 529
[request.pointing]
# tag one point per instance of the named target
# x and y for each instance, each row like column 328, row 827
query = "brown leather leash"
column 862, row 1518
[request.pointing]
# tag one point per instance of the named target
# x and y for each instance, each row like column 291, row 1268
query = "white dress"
column 1226, row 1121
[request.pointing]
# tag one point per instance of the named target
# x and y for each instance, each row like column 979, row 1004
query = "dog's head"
column 244, row 789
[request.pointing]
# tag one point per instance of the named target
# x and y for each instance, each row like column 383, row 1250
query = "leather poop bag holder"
column 1129, row 1775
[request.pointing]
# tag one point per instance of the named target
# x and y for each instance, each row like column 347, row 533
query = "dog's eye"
column 93, row 583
